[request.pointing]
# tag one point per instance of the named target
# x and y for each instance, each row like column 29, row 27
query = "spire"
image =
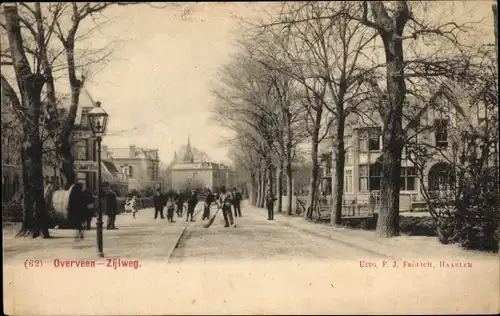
column 188, row 156
column 175, row 156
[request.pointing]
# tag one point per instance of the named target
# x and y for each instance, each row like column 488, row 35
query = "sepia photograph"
column 250, row 158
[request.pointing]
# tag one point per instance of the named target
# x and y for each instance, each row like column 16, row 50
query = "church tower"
column 188, row 155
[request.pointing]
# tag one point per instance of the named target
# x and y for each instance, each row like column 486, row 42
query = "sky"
column 157, row 85
column 160, row 79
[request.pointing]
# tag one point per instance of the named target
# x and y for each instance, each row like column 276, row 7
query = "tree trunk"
column 338, row 180
column 30, row 86
column 64, row 140
column 289, row 186
column 279, row 185
column 66, row 159
column 35, row 215
column 262, row 191
column 393, row 138
column 252, row 188
column 259, row 187
column 314, row 174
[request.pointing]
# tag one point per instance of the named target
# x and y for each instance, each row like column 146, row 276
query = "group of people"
column 82, row 208
column 177, row 202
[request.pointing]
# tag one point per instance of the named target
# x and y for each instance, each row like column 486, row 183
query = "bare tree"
column 247, row 101
column 67, row 22
column 28, row 109
column 334, row 54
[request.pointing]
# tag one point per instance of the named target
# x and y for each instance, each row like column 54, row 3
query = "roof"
column 111, row 167
column 200, row 165
column 197, row 154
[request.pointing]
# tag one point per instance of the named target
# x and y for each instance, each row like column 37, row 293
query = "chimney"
column 154, row 153
column 132, row 151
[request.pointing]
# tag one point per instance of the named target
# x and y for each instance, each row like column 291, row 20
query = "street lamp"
column 98, row 119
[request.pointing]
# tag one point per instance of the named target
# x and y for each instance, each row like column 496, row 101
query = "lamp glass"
column 98, row 119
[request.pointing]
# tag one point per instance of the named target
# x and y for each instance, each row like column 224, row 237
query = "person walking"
column 179, row 201
column 237, row 197
column 170, row 203
column 225, row 201
column 192, row 202
column 209, row 199
column 111, row 208
column 76, row 211
column 159, row 202
column 88, row 202
column 133, row 206
column 270, row 204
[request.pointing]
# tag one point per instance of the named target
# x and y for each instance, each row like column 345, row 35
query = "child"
column 170, row 207
column 133, row 206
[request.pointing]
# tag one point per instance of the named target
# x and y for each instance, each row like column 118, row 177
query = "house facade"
column 83, row 150
column 140, row 166
column 363, row 150
column 194, row 169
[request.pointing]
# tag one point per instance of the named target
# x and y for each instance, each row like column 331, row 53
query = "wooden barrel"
column 60, row 203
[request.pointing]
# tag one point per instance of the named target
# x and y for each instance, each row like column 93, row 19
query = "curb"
column 179, row 237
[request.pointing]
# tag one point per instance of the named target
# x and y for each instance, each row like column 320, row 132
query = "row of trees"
column 45, row 48
column 315, row 68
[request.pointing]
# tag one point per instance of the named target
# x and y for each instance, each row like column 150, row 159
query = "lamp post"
column 98, row 119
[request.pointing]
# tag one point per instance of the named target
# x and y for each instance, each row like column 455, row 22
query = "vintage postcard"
column 250, row 158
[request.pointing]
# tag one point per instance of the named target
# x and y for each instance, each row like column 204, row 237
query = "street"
column 259, row 266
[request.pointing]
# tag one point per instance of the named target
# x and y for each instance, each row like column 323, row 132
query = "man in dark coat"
column 225, row 202
column 111, row 207
column 88, row 201
column 270, row 205
column 76, row 210
column 237, row 197
column 192, row 201
column 179, row 201
column 159, row 202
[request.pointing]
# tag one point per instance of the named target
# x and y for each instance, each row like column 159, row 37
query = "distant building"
column 194, row 170
column 139, row 165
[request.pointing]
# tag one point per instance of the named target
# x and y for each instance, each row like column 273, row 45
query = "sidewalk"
column 398, row 248
column 139, row 238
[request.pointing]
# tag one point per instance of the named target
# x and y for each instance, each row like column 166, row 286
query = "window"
column 82, row 152
column 129, row 171
column 363, row 178
column 347, row 147
column 441, row 126
column 363, row 143
column 408, row 179
column 348, row 181
column 374, row 138
column 375, row 176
